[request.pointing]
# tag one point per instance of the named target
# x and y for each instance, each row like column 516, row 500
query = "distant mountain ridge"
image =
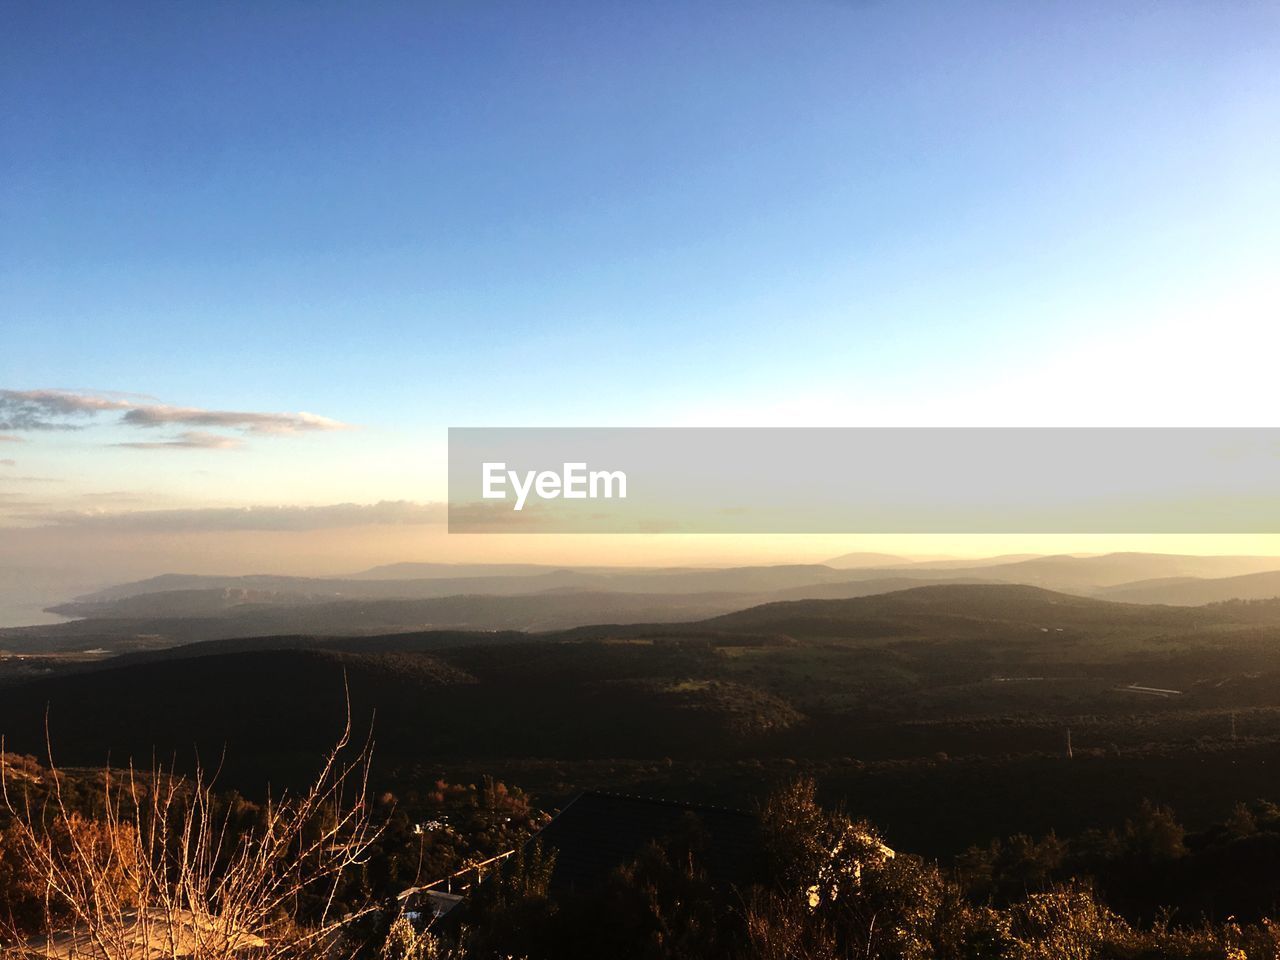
column 537, row 580
column 177, row 608
column 1189, row 591
column 173, row 618
column 958, row 609
column 416, row 580
column 1066, row 572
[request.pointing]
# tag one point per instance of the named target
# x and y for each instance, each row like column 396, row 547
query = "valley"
column 963, row 690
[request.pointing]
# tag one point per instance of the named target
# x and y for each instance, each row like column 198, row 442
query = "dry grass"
column 162, row 873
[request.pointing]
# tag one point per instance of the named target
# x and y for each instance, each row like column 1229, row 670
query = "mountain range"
column 175, row 609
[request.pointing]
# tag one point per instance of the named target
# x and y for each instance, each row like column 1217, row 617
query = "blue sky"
column 409, row 216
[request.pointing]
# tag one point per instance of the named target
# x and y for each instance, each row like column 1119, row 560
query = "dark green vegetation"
column 823, row 886
column 942, row 712
column 639, row 880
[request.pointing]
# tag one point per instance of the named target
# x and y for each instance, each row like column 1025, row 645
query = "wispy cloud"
column 488, row 516
column 10, row 438
column 191, row 440
column 156, row 416
column 282, row 518
column 41, row 410
column 17, row 502
column 118, row 497
column 8, row 463
column 52, row 409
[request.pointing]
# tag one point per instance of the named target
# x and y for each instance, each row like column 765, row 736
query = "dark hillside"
column 957, row 609
column 893, row 696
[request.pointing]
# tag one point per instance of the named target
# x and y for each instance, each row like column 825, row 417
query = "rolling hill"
column 956, row 610
column 1188, row 591
column 180, row 616
column 961, row 689
column 177, row 609
column 657, row 687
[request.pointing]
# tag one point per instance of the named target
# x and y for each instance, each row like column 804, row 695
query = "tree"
column 1154, row 834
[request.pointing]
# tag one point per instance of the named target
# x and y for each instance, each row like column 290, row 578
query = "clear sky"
column 401, row 217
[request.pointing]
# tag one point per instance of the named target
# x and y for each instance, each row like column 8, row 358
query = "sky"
column 265, row 254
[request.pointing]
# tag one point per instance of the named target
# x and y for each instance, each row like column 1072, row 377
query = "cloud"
column 156, row 416
column 191, row 440
column 489, row 516
column 19, row 502
column 8, row 463
column 258, row 518
column 74, row 410
column 10, row 438
column 52, row 409
column 118, row 496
